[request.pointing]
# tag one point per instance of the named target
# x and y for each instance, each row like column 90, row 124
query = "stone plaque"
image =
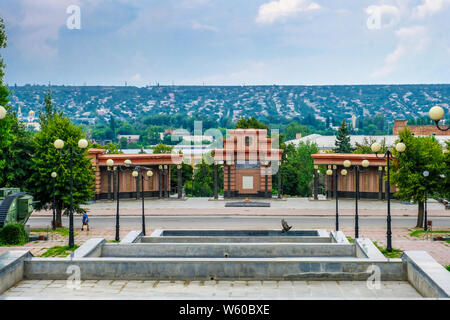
column 247, row 182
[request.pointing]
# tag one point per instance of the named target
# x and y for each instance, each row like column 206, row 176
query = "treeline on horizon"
column 150, row 127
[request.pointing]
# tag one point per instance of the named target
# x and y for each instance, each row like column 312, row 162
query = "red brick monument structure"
column 249, row 161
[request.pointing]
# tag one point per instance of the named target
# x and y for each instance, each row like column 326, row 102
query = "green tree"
column 250, row 123
column 203, row 182
column 293, row 128
column 343, row 139
column 112, row 126
column 421, row 154
column 186, row 175
column 123, row 143
column 365, row 146
column 445, row 190
column 47, row 158
column 15, row 140
column 293, row 180
column 111, row 148
column 162, row 148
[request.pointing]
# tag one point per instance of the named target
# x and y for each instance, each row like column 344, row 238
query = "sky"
column 226, row 42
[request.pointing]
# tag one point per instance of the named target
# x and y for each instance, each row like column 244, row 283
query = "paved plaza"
column 284, row 207
column 173, row 290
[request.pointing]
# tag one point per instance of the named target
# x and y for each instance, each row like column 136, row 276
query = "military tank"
column 15, row 206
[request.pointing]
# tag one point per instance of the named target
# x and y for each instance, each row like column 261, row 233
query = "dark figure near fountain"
column 285, row 226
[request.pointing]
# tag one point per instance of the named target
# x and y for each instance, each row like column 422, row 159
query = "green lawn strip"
column 59, row 251
column 419, row 232
column 350, row 239
column 448, row 267
column 62, row 231
column 396, row 253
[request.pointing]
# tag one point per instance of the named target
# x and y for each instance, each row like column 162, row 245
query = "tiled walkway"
column 108, row 289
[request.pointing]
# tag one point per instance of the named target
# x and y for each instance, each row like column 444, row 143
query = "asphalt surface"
column 240, row 222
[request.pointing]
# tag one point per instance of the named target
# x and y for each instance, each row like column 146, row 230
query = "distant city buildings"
column 30, row 121
column 418, row 130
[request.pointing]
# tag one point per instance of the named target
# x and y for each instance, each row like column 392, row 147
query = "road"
column 241, row 222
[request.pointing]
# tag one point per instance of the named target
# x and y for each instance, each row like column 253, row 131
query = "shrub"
column 13, row 234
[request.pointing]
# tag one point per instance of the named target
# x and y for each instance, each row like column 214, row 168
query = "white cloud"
column 410, row 40
column 198, row 26
column 429, row 7
column 386, row 13
column 39, row 24
column 282, row 9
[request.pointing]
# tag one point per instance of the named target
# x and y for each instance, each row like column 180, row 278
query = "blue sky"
column 227, row 42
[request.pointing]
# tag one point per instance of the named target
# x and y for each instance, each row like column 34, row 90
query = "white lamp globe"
column 54, row 175
column 329, row 172
column 400, row 147
column 426, row 173
column 82, row 144
column 365, row 163
column 347, row 163
column 376, row 147
column 59, row 144
column 127, row 162
column 149, row 173
column 135, row 173
column 2, row 112
column 110, row 162
column 343, row 172
column 436, row 113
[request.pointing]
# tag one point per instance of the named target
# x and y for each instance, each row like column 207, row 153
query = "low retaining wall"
column 91, row 248
column 230, row 250
column 349, row 269
column 206, row 239
column 426, row 275
column 12, row 268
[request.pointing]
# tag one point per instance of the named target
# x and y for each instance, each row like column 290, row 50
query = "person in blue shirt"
column 85, row 221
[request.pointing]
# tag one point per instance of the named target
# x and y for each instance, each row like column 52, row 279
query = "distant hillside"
column 91, row 103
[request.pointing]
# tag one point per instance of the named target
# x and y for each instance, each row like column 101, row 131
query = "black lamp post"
column 436, row 114
column 266, row 178
column 425, row 224
column 330, row 173
column 82, row 144
column 357, row 169
column 400, row 147
column 117, row 169
column 54, row 175
column 136, row 175
column 180, row 181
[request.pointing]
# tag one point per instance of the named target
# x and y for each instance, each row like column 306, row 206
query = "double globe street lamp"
column 2, row 112
column 437, row 114
column 117, row 169
column 135, row 174
column 376, row 148
column 54, row 175
column 59, row 145
column 329, row 173
column 357, row 169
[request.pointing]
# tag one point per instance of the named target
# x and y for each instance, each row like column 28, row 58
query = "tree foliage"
column 421, row 154
column 162, row 148
column 47, row 159
column 297, row 170
column 250, row 123
column 343, row 139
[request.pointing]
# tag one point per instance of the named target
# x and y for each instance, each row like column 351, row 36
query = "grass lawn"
column 350, row 239
column 59, row 251
column 396, row 253
column 420, row 232
column 62, row 231
column 448, row 267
